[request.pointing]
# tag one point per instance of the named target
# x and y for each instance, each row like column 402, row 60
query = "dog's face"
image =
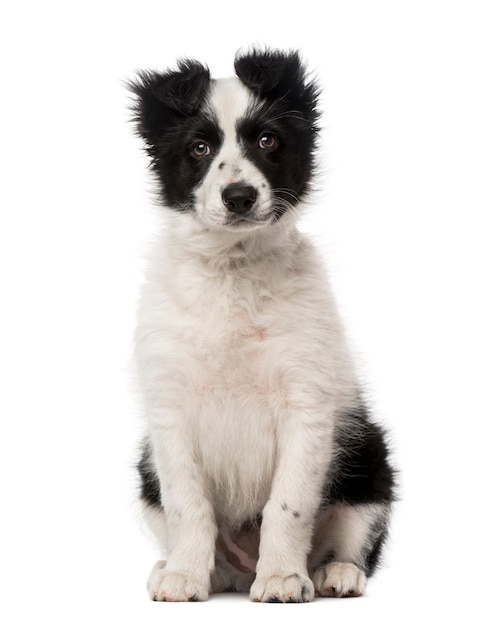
column 237, row 153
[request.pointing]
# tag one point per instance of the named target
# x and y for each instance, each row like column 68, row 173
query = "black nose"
column 239, row 198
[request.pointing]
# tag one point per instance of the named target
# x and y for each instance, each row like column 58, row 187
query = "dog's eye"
column 200, row 149
column 267, row 141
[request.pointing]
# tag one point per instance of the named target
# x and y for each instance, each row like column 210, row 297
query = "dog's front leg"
column 191, row 525
column 288, row 516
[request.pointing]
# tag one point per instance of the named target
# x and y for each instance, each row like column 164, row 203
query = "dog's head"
column 238, row 153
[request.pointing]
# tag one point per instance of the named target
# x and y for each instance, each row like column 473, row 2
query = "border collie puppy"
column 261, row 470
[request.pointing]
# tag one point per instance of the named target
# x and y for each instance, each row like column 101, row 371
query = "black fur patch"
column 150, row 484
column 168, row 118
column 372, row 560
column 361, row 472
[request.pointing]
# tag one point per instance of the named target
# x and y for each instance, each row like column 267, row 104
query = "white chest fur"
column 233, row 348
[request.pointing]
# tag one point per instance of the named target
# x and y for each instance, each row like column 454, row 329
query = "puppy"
column 261, row 470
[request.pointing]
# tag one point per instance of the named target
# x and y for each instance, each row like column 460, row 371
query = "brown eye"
column 200, row 150
column 267, row 141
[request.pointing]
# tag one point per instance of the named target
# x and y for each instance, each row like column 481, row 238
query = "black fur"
column 150, row 484
column 168, row 118
column 361, row 472
column 278, row 75
column 372, row 559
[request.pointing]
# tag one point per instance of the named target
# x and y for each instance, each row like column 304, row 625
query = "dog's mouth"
column 246, row 222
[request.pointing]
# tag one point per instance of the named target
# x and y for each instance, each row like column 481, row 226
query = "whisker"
column 286, row 191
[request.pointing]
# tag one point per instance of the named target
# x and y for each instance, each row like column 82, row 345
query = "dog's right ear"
column 172, row 94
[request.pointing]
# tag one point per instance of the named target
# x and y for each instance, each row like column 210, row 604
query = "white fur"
column 244, row 369
column 229, row 100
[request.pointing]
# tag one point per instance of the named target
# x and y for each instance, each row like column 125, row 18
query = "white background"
column 403, row 216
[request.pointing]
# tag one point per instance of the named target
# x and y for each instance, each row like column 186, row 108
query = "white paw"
column 340, row 580
column 165, row 586
column 282, row 588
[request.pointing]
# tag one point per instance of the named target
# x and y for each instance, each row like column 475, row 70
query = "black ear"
column 265, row 71
column 170, row 94
column 279, row 75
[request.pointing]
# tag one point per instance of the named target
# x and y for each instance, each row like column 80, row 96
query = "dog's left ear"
column 279, row 75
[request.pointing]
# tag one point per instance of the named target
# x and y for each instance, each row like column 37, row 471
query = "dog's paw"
column 340, row 580
column 282, row 588
column 165, row 586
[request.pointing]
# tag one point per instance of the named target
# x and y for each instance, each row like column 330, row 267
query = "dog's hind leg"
column 346, row 547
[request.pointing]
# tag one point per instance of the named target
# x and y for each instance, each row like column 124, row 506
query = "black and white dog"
column 261, row 469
